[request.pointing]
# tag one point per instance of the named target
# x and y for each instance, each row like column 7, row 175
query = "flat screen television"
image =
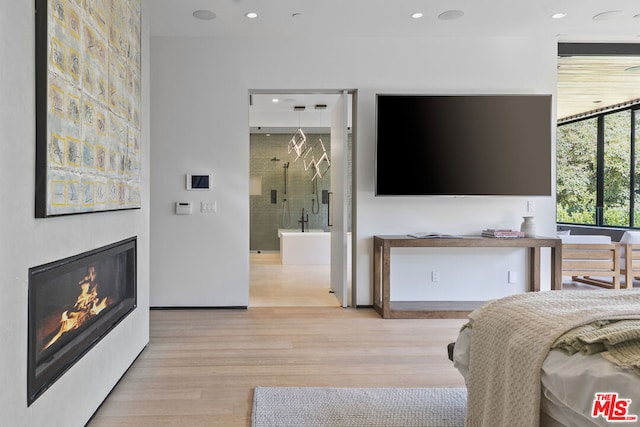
column 459, row 145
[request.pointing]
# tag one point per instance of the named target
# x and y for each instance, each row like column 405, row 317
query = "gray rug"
column 358, row 407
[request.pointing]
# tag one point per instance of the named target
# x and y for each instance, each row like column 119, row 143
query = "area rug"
column 358, row 407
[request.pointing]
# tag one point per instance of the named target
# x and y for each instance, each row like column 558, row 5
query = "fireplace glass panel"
column 73, row 303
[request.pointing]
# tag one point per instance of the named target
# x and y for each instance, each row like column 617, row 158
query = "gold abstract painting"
column 88, row 104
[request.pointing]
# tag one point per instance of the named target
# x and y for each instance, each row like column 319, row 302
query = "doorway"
column 292, row 171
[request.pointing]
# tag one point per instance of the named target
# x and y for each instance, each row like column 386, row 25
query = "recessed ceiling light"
column 275, row 100
column 451, row 15
column 635, row 69
column 605, row 16
column 205, row 15
column 417, row 15
column 251, row 15
column 559, row 15
column 296, row 15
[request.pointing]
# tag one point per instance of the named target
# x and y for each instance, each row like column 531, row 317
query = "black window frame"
column 634, row 118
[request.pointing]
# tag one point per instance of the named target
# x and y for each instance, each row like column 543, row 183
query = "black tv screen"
column 452, row 145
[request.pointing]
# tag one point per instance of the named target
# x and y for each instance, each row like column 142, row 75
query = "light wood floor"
column 201, row 366
column 276, row 285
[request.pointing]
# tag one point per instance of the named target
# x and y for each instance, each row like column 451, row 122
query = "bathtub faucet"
column 303, row 221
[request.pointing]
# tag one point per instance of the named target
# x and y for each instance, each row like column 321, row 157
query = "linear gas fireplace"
column 73, row 304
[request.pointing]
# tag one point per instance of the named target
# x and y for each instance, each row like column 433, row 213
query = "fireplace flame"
column 87, row 306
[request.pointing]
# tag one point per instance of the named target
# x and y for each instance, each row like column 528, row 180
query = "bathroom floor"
column 277, row 285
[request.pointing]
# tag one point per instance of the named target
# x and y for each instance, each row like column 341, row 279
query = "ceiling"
column 282, row 112
column 326, row 18
column 584, row 83
column 592, row 83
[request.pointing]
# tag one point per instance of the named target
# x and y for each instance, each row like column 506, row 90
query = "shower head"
column 275, row 159
column 286, row 165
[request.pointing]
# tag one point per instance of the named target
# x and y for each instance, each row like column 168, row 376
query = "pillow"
column 630, row 237
column 585, row 239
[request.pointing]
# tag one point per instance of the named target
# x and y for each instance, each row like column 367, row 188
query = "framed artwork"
column 87, row 106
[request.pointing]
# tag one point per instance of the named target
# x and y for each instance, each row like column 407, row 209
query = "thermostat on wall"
column 183, row 208
column 198, row 182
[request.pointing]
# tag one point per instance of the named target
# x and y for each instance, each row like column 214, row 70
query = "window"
column 617, row 169
column 597, row 169
column 576, row 172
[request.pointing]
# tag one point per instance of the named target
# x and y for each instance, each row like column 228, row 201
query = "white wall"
column 26, row 242
column 200, row 122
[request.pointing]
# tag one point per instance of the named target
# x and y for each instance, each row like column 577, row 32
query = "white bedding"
column 569, row 384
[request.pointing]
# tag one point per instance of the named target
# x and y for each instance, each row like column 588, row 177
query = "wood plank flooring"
column 276, row 285
column 201, row 366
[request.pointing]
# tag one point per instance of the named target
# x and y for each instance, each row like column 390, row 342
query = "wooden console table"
column 451, row 309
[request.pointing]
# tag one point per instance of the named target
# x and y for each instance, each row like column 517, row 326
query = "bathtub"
column 311, row 247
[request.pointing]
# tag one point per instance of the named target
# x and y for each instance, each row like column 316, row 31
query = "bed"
column 513, row 375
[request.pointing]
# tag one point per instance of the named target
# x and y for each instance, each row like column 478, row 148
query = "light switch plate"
column 208, row 207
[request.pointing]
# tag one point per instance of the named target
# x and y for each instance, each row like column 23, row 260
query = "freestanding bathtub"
column 311, row 247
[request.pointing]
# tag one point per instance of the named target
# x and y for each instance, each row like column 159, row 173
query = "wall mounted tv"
column 458, row 145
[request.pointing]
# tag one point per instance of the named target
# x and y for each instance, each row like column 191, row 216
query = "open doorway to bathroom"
column 291, row 173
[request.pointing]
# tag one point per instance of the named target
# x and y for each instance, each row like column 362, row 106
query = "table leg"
column 534, row 265
column 556, row 267
column 376, row 275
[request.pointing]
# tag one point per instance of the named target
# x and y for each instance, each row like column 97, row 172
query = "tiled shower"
column 268, row 209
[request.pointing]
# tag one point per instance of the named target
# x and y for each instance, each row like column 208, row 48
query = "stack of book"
column 503, row 234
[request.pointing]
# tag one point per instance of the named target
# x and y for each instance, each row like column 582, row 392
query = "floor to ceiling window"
column 598, row 169
column 576, row 172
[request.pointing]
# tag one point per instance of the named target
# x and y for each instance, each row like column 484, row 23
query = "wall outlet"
column 435, row 276
column 512, row 276
column 531, row 206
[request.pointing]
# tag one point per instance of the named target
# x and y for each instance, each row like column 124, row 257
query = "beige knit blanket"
column 618, row 341
column 512, row 337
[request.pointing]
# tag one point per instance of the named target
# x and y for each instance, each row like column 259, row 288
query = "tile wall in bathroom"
column 268, row 155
